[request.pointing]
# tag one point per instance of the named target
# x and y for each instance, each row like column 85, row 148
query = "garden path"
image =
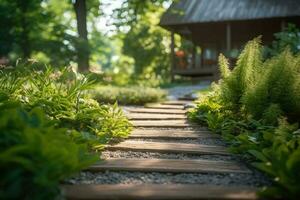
column 167, row 157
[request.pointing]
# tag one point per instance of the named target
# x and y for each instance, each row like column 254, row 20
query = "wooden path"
column 167, row 124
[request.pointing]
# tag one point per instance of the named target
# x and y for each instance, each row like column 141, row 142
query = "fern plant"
column 245, row 109
column 242, row 76
column 278, row 84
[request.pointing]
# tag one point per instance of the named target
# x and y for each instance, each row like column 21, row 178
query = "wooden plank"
column 160, row 106
column 153, row 116
column 169, row 165
column 178, row 102
column 172, row 134
column 166, row 147
column 158, row 192
column 163, row 123
column 158, row 111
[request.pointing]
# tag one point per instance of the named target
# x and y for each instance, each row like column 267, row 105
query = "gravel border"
column 228, row 179
column 154, row 155
column 204, row 141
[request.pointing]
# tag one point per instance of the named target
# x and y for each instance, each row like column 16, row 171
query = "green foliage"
column 25, row 20
column 288, row 38
column 146, row 44
column 281, row 160
column 247, row 107
column 224, row 66
column 34, row 154
column 143, row 40
column 134, row 95
column 277, row 84
column 243, row 75
column 47, row 126
column 62, row 96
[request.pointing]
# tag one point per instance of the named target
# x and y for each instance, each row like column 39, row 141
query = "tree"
column 82, row 45
column 143, row 39
column 25, row 20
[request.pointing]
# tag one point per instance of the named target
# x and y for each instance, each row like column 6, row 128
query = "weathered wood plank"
column 153, row 116
column 160, row 106
column 166, row 147
column 176, row 102
column 158, row 111
column 172, row 134
column 163, row 123
column 158, row 192
column 169, row 165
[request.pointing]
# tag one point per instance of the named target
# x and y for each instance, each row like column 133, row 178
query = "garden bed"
column 50, row 129
column 256, row 108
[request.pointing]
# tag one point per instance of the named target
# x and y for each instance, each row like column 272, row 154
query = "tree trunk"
column 82, row 45
column 24, row 39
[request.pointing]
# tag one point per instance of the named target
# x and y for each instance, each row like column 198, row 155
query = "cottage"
column 223, row 26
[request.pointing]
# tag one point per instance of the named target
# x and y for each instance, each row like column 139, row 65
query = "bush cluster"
column 256, row 107
column 49, row 129
column 134, row 95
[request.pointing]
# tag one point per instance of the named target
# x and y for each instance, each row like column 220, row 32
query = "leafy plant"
column 62, row 96
column 282, row 160
column 248, row 106
column 288, row 38
column 34, row 154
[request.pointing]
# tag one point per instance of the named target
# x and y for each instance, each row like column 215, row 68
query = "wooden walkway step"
column 163, row 123
column 160, row 106
column 157, row 111
column 158, row 192
column 172, row 134
column 166, row 147
column 181, row 103
column 153, row 116
column 168, row 165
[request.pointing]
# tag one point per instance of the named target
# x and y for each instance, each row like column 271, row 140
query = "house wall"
column 214, row 36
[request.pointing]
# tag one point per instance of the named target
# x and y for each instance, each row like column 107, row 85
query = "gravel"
column 228, row 179
column 153, row 155
column 206, row 141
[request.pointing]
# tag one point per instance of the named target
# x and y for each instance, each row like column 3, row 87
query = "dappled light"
column 149, row 99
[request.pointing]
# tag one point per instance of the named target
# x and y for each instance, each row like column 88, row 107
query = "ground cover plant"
column 256, row 107
column 133, row 95
column 49, row 129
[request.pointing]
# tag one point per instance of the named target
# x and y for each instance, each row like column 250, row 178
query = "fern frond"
column 224, row 66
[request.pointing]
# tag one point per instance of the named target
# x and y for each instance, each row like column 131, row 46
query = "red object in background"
column 180, row 54
column 182, row 59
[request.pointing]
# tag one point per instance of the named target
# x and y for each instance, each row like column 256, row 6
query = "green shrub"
column 289, row 37
column 245, row 108
column 34, row 154
column 243, row 76
column 134, row 95
column 47, row 125
column 281, row 160
column 62, row 96
column 278, row 84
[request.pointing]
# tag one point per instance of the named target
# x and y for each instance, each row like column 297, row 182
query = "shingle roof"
column 202, row 11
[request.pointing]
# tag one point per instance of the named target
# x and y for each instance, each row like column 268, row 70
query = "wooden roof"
column 206, row 11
